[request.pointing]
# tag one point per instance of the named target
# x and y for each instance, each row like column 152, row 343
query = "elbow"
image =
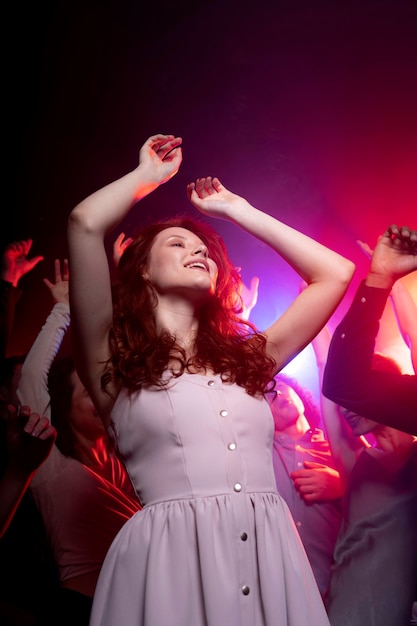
column 75, row 219
column 347, row 272
column 79, row 221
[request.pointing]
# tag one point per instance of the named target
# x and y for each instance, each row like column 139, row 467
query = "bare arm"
column 406, row 314
column 393, row 255
column 326, row 273
column 90, row 287
column 249, row 297
column 345, row 447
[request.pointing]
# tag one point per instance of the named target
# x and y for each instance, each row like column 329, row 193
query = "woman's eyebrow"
column 176, row 237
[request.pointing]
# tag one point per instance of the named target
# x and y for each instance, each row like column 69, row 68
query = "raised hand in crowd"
column 350, row 379
column 405, row 310
column 59, row 289
column 119, row 246
column 15, row 262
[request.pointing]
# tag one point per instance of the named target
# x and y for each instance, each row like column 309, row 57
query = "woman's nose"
column 201, row 249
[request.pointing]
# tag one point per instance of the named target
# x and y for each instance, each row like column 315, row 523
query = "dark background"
column 306, row 108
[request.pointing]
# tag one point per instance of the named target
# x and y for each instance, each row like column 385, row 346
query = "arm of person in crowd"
column 119, row 246
column 90, row 289
column 15, row 261
column 14, row 265
column 33, row 384
column 349, row 379
column 326, row 273
column 29, row 440
column 249, row 295
column 405, row 310
column 345, row 447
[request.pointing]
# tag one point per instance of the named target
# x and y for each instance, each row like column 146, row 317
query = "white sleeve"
column 33, row 385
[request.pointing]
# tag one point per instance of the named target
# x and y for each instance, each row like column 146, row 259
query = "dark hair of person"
column 225, row 343
column 61, row 388
column 311, row 408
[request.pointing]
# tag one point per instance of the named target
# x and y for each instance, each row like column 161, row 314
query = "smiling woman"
column 180, row 249
column 179, row 377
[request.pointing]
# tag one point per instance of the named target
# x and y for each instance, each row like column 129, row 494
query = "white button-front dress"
column 214, row 545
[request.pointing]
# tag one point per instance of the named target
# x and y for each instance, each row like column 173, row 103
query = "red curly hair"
column 225, row 343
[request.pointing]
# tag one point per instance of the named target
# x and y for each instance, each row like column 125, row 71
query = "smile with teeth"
column 197, row 264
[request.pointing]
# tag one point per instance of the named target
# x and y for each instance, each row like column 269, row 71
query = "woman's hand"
column 161, row 156
column 210, row 197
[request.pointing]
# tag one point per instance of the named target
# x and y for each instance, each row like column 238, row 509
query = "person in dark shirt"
column 349, row 377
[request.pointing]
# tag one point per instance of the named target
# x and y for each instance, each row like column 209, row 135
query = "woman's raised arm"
column 326, row 272
column 90, row 287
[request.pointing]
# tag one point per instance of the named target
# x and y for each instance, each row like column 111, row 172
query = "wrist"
column 9, row 277
column 147, row 180
column 381, row 281
column 236, row 212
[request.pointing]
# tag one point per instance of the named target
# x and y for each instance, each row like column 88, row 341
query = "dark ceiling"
column 308, row 109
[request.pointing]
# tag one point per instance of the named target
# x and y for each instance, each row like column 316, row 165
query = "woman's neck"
column 178, row 316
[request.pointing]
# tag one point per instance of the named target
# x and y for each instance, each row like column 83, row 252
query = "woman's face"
column 179, row 262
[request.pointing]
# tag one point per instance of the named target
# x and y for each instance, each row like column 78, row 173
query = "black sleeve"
column 349, row 379
column 9, row 296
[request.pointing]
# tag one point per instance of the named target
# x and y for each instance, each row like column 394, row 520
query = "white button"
column 299, row 464
column 363, row 299
column 343, row 335
column 232, row 446
column 223, row 413
column 210, row 383
column 298, row 524
column 238, row 487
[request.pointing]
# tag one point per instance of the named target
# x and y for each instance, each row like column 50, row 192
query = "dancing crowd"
column 167, row 471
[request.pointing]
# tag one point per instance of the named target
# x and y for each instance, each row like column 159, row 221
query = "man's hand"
column 394, row 256
column 317, row 482
column 29, row 439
